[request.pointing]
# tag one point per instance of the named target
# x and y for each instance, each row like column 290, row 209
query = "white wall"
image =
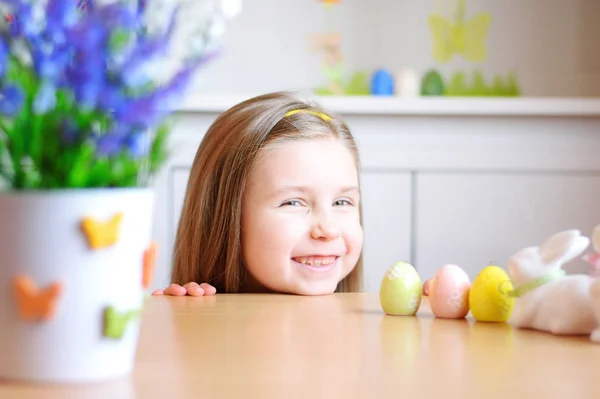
column 551, row 44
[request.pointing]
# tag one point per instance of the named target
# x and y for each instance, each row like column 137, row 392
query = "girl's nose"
column 325, row 231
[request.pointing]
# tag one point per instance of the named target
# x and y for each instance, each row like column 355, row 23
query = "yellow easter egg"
column 488, row 299
column 400, row 291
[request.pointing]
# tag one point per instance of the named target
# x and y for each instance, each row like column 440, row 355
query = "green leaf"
column 158, row 150
column 99, row 173
column 4, row 170
column 78, row 175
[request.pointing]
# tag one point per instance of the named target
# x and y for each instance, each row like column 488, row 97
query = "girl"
column 272, row 204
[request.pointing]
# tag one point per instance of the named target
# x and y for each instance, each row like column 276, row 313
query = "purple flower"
column 176, row 89
column 27, row 20
column 109, row 144
column 45, row 98
column 148, row 111
column 3, row 57
column 146, row 51
column 100, row 55
column 142, row 4
column 51, row 65
column 138, row 144
column 11, row 99
column 84, row 5
column 90, row 34
column 86, row 76
column 60, row 16
column 119, row 14
column 111, row 99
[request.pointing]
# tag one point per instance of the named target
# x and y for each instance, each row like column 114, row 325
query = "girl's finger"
column 175, row 290
column 194, row 289
column 158, row 292
column 208, row 289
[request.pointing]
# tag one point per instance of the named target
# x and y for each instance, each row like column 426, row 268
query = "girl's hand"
column 192, row 289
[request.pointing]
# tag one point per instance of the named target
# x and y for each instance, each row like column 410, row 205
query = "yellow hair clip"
column 308, row 111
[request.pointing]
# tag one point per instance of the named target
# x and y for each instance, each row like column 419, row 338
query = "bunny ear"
column 563, row 247
column 596, row 239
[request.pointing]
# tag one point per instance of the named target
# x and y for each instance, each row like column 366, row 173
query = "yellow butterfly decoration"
column 102, row 234
column 466, row 38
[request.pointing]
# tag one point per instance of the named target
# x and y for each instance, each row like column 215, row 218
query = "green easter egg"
column 400, row 292
column 432, row 84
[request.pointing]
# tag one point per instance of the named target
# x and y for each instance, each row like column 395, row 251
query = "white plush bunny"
column 593, row 258
column 548, row 300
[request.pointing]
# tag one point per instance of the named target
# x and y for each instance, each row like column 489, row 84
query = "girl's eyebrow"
column 349, row 189
column 304, row 189
column 288, row 189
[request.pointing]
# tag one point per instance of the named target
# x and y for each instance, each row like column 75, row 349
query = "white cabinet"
column 386, row 201
column 471, row 219
column 444, row 180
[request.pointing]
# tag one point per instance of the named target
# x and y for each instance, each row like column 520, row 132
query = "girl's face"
column 301, row 231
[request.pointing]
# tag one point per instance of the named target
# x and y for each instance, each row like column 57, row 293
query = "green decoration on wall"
column 458, row 85
column 459, row 36
column 466, row 37
column 356, row 85
column 334, row 70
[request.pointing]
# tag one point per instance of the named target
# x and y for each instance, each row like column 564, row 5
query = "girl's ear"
column 563, row 247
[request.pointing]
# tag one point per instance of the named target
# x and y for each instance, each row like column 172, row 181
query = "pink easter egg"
column 449, row 292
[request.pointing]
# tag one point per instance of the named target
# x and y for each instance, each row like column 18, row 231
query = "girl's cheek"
column 353, row 231
column 283, row 229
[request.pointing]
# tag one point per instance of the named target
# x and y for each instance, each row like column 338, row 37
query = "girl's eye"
column 342, row 202
column 292, row 203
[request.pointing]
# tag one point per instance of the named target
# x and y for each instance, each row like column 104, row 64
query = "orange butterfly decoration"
column 149, row 264
column 102, row 234
column 33, row 303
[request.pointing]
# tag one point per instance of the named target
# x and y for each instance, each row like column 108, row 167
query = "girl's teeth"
column 316, row 261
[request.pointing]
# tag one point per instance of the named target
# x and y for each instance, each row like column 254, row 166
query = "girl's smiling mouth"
column 320, row 263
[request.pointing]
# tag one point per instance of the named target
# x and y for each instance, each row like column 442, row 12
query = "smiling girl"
column 272, row 204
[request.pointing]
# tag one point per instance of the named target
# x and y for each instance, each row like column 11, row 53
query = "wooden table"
column 336, row 346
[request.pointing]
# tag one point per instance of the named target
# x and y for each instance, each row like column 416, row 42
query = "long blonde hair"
column 207, row 246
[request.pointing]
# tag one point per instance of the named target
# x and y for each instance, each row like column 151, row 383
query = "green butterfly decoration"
column 115, row 322
column 459, row 37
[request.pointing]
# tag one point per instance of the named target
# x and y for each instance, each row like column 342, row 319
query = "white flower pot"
column 59, row 334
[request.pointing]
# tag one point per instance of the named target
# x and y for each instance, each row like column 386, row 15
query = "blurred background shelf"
column 467, row 106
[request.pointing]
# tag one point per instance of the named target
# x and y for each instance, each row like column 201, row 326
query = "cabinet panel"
column 386, row 201
column 472, row 219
